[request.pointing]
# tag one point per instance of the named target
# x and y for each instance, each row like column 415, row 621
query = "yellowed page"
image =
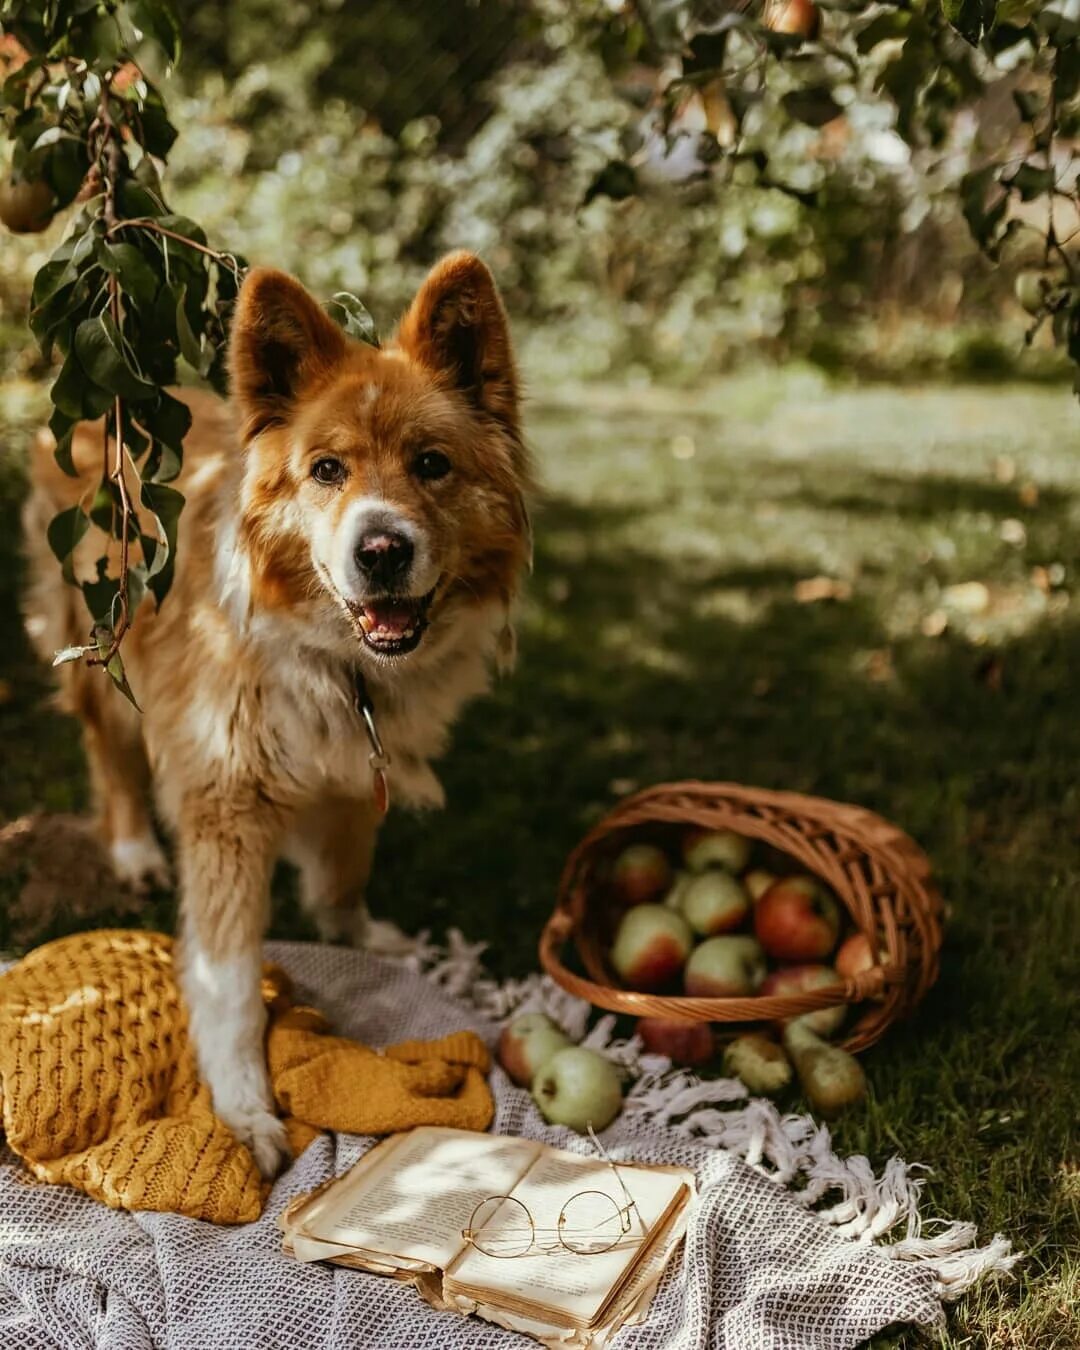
column 576, row 1285
column 416, row 1203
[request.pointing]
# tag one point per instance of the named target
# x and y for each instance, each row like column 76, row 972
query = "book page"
column 574, row 1284
column 415, row 1205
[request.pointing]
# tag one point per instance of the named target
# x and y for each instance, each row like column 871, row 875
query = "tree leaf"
column 347, row 311
column 617, row 180
column 137, row 278
column 67, row 654
column 74, row 395
column 1032, row 180
column 972, row 19
column 102, row 635
column 815, row 106
column 98, row 348
column 166, row 504
column 63, row 428
column 64, row 533
column 157, row 22
column 189, row 343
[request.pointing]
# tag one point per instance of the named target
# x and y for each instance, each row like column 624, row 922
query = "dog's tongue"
column 390, row 619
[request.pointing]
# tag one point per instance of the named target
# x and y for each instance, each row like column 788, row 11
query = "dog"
column 354, row 533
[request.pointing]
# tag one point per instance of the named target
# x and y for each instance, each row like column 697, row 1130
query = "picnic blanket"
column 761, row 1270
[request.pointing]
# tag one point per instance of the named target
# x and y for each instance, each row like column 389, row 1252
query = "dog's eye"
column 430, row 465
column 328, row 470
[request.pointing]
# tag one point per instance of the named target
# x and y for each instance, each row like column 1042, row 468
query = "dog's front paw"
column 140, row 864
column 262, row 1133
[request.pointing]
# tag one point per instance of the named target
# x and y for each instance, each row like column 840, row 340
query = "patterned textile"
column 760, row 1272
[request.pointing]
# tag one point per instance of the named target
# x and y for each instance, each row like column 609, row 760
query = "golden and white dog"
column 352, row 511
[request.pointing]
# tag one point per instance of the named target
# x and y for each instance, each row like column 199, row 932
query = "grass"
column 662, row 638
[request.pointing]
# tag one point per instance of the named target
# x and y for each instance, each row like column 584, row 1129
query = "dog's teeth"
column 364, row 622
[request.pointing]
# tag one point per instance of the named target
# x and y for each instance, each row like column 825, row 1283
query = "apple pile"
column 699, row 919
column 571, row 1084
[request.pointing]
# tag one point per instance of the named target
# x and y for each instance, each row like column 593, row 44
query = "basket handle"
column 753, row 1008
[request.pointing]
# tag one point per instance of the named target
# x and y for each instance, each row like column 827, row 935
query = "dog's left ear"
column 457, row 327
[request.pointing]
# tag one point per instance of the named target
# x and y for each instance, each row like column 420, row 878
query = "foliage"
column 131, row 290
column 718, row 170
column 749, row 67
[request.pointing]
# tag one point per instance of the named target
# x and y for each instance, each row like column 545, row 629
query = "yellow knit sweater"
column 99, row 1087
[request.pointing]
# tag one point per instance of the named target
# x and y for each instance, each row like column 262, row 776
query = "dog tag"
column 381, row 791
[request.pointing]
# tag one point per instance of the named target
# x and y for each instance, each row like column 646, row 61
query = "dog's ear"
column 457, row 328
column 281, row 343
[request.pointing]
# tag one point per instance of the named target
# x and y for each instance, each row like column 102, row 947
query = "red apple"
column 800, row 18
column 797, row 920
column 641, row 874
column 714, row 902
column 725, row 967
column 855, row 955
column 651, row 946
column 804, row 980
column 683, row 1042
column 757, row 881
column 715, row 848
column 527, row 1043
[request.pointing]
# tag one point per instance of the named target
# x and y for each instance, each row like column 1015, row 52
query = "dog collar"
column 378, row 758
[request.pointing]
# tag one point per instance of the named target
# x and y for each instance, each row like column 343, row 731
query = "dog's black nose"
column 384, row 557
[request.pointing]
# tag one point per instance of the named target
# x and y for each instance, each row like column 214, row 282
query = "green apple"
column 725, row 967
column 714, row 902
column 578, row 1087
column 716, row 848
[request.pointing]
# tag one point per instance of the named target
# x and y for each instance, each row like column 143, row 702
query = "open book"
column 404, row 1209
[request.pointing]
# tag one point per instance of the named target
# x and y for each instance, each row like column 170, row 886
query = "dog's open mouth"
column 392, row 625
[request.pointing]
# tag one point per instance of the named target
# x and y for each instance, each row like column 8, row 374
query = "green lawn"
column 662, row 638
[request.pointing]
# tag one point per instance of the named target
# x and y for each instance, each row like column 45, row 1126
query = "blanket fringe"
column 794, row 1151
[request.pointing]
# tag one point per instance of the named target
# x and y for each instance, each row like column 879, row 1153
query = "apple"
column 797, row 920
column 830, row 1077
column 725, row 967
column 683, row 1042
column 714, row 902
column 641, row 874
column 1031, row 289
column 651, row 946
column 527, row 1043
column 800, row 18
column 673, row 899
column 760, row 1062
column 715, row 848
column 803, row 980
column 854, row 956
column 26, row 206
column 757, row 881
column 578, row 1087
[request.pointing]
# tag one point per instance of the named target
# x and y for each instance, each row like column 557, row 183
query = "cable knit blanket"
column 762, row 1270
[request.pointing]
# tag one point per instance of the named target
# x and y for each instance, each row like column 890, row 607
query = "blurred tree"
column 587, row 103
column 399, row 61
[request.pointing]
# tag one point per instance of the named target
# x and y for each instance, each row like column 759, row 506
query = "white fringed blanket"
column 785, row 1250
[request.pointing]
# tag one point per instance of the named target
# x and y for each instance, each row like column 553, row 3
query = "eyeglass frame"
column 623, row 1212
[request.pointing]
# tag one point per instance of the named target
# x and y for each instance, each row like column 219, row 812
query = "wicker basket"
column 873, row 868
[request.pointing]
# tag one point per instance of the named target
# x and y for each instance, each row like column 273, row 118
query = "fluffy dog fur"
column 284, row 589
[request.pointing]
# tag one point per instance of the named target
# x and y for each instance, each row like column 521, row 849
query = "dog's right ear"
column 281, row 343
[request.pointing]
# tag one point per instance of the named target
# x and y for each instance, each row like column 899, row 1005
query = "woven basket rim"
column 867, row 838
